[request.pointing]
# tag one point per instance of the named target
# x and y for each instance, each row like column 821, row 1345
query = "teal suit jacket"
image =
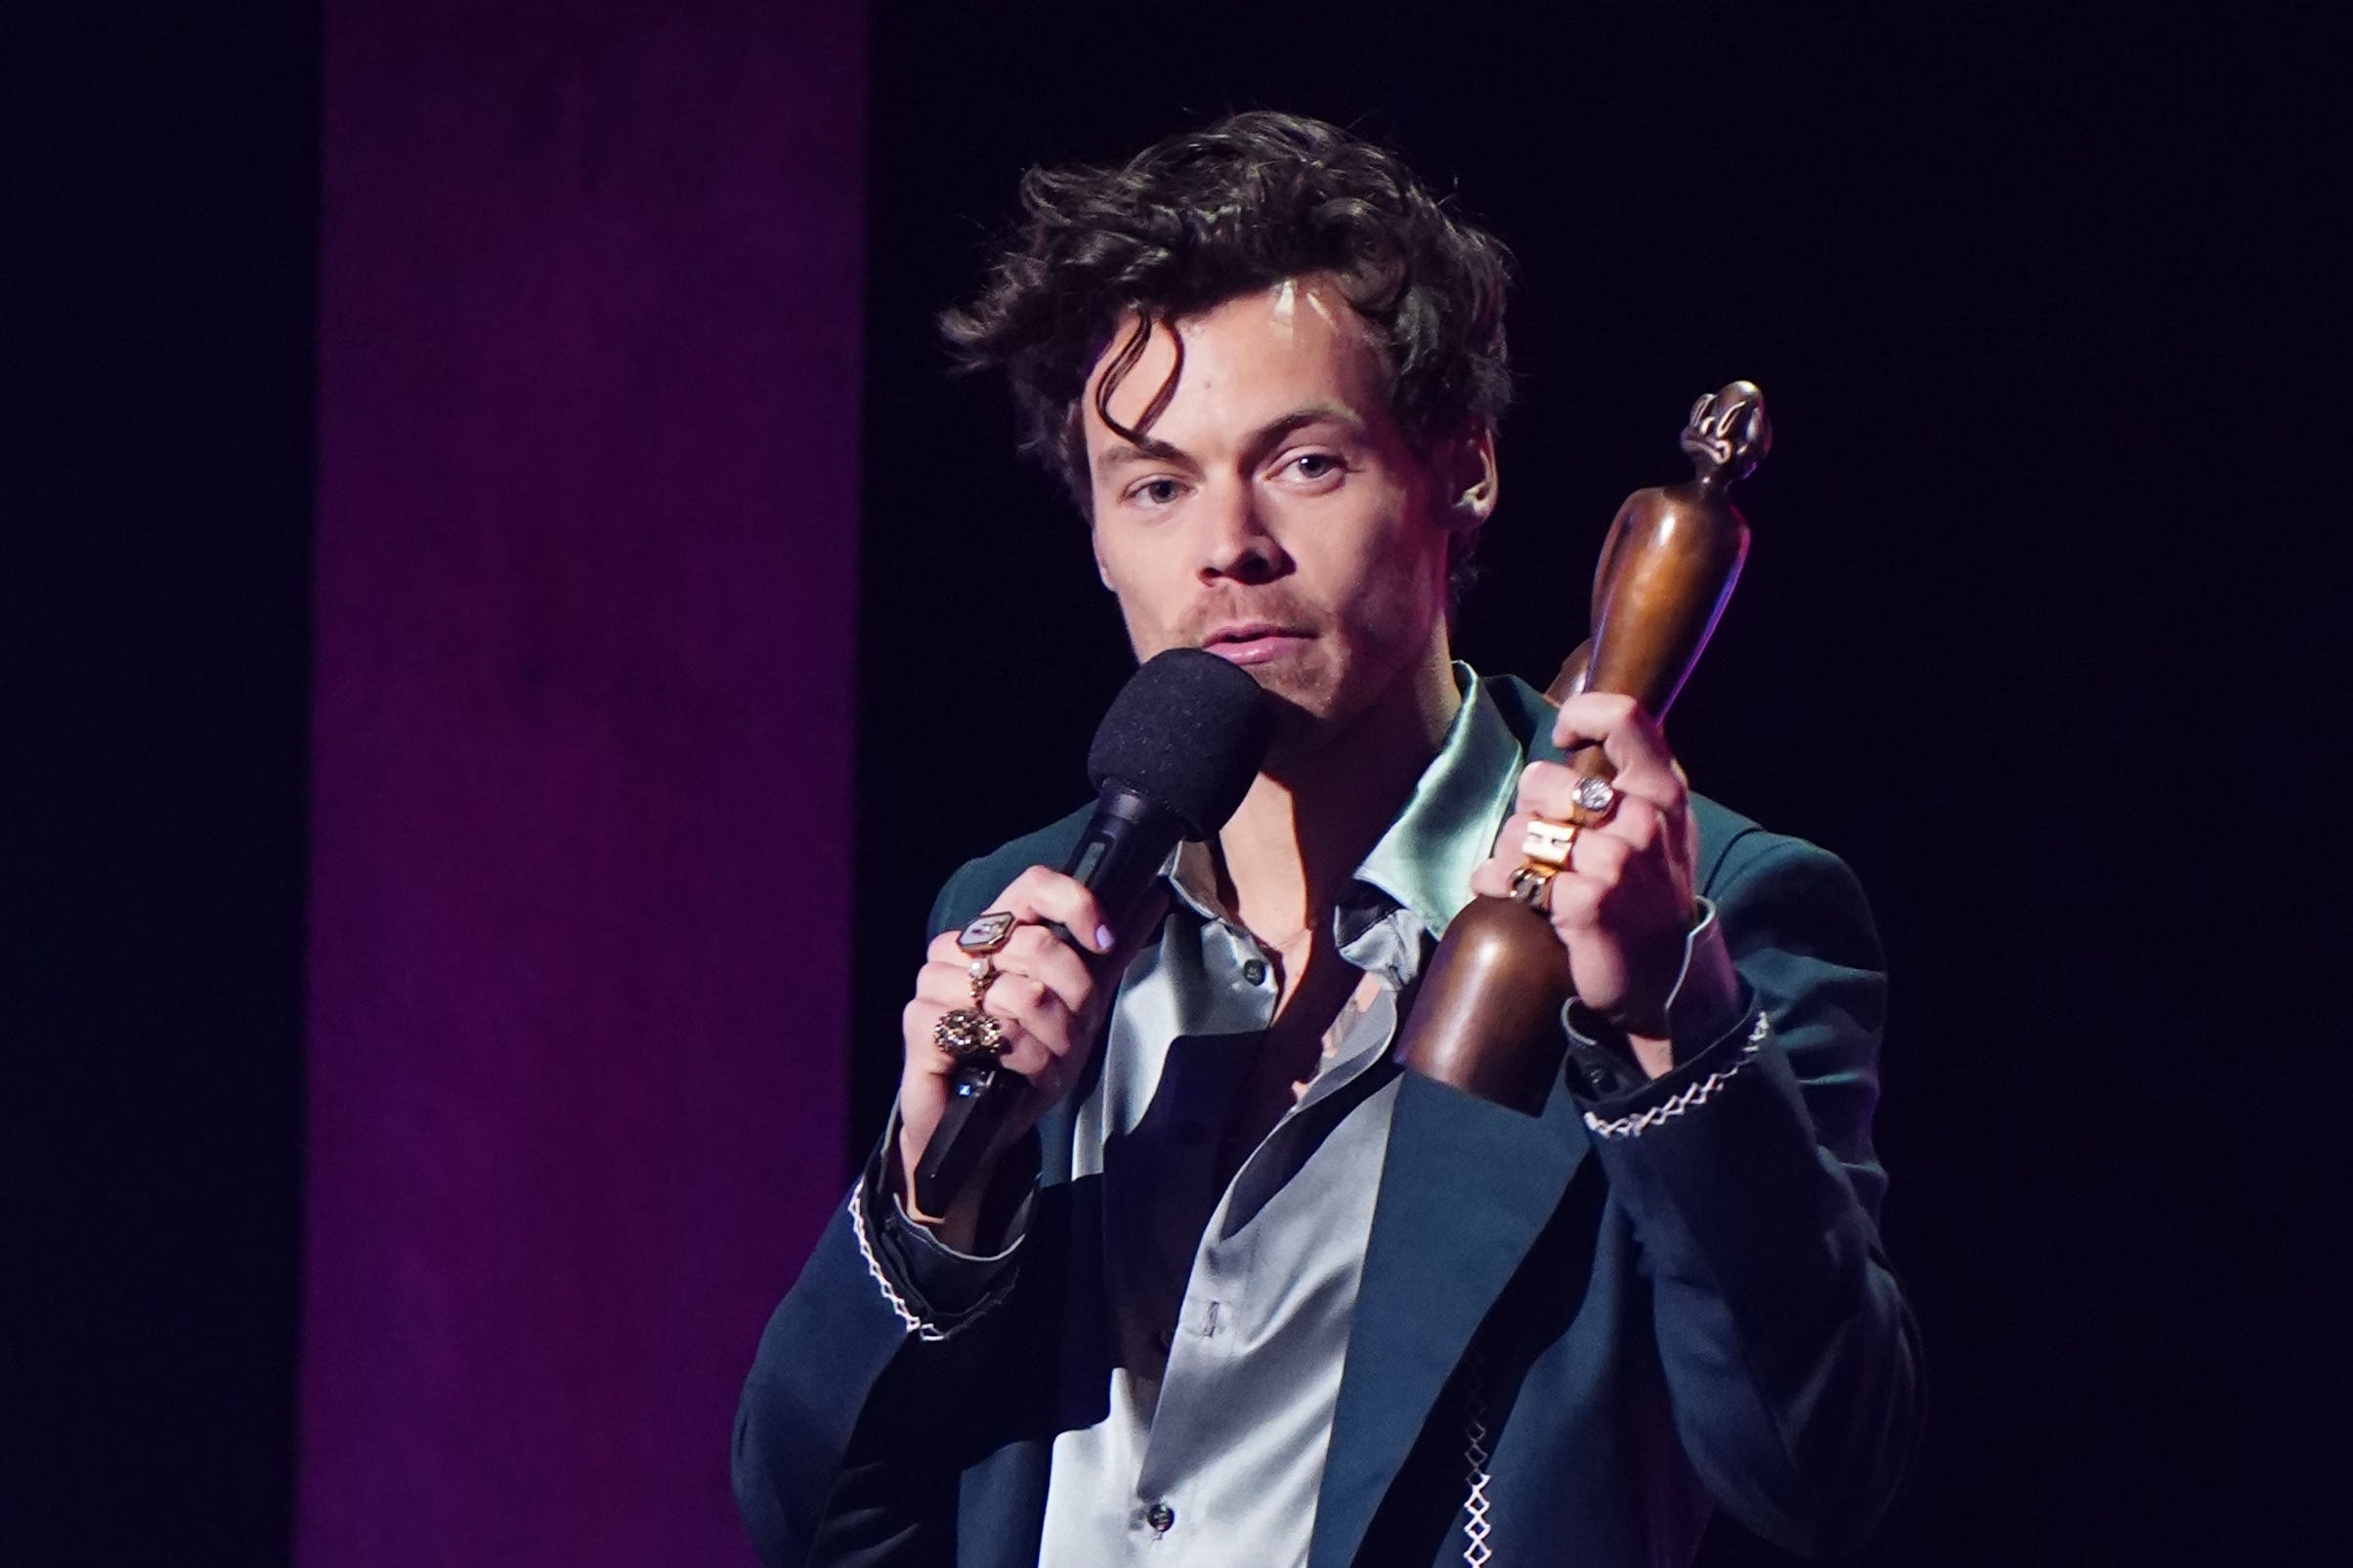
column 1626, row 1311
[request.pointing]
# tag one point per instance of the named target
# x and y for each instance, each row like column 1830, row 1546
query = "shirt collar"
column 1424, row 860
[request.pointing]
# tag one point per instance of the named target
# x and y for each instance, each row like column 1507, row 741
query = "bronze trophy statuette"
column 1488, row 1018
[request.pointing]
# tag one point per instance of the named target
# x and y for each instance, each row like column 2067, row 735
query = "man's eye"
column 1316, row 465
column 1156, row 491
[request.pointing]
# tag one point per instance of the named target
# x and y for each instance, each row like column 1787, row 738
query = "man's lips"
column 1256, row 642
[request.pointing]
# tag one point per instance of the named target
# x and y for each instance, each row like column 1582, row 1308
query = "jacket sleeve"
column 851, row 1432
column 853, row 1425
column 1790, row 1355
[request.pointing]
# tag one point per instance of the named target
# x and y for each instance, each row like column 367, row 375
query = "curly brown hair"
column 1207, row 216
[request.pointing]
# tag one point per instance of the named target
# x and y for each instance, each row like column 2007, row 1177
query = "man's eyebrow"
column 1147, row 450
column 1270, row 435
column 1259, row 442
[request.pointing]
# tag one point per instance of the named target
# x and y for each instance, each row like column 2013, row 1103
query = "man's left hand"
column 1624, row 904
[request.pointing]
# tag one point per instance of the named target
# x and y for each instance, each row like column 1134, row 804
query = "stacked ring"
column 982, row 972
column 1532, row 886
column 1590, row 804
column 987, row 933
column 1549, row 843
column 1544, row 854
column 965, row 1033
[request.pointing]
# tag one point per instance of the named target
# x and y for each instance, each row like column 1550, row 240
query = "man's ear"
column 1470, row 477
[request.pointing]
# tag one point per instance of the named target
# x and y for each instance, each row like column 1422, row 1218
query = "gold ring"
column 982, row 972
column 1549, row 843
column 988, row 933
column 965, row 1033
column 1532, row 887
column 1592, row 802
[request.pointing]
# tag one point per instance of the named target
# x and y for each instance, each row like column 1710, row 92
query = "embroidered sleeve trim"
column 1476, row 1526
column 922, row 1328
column 1633, row 1126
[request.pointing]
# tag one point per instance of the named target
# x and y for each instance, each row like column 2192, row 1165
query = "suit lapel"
column 1465, row 1189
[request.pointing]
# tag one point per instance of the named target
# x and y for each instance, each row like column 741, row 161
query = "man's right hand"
column 1046, row 996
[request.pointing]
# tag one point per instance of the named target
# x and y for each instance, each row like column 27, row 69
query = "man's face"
column 1275, row 514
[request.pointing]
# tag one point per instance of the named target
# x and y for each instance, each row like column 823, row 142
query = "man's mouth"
column 1256, row 642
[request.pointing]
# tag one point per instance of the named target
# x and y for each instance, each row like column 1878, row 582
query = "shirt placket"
column 1218, row 1322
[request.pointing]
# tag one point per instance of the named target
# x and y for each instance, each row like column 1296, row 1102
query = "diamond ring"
column 1591, row 802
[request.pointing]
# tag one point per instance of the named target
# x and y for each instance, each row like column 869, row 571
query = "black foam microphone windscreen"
column 1173, row 758
column 1187, row 732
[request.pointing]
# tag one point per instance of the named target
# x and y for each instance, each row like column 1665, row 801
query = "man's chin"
column 1298, row 730
column 1300, row 700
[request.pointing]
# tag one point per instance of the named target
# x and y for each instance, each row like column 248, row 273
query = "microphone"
column 1173, row 758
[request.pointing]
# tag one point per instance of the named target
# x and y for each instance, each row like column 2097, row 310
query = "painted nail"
column 1102, row 937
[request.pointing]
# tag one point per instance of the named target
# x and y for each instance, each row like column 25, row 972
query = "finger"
column 1142, row 924
column 1038, row 895
column 1013, row 993
column 1492, row 876
column 921, row 1020
column 1629, row 737
column 1511, row 851
column 943, row 985
column 1038, row 1027
column 919, row 1017
column 1633, row 822
column 1514, row 828
column 1576, row 902
column 1032, row 949
column 1548, row 790
column 944, row 992
column 1510, row 844
column 1600, row 858
column 1038, row 955
column 1543, row 786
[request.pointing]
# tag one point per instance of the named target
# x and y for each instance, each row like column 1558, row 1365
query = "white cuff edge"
column 1634, row 1126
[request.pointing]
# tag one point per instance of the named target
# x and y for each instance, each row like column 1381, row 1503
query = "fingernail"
column 1102, row 937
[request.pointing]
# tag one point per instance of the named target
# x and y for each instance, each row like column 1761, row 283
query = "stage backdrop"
column 589, row 308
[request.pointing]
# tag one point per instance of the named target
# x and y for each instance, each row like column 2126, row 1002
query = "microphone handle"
column 980, row 1096
column 1117, row 858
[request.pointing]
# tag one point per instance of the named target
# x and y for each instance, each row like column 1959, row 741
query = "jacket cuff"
column 1650, row 1104
column 934, row 1288
column 1702, row 1013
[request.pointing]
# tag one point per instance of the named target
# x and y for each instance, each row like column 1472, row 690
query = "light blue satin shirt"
column 1231, row 1305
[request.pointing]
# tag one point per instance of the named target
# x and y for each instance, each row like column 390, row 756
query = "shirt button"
column 1255, row 972
column 1161, row 1517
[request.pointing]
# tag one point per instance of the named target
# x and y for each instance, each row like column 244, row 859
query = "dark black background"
column 158, row 242
column 2025, row 299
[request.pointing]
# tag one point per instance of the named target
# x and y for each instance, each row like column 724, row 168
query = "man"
column 1232, row 1289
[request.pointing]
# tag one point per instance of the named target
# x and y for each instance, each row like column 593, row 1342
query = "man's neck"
column 1301, row 833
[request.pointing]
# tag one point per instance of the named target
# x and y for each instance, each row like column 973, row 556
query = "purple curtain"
column 588, row 517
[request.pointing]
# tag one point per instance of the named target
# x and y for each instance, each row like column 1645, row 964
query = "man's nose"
column 1235, row 541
